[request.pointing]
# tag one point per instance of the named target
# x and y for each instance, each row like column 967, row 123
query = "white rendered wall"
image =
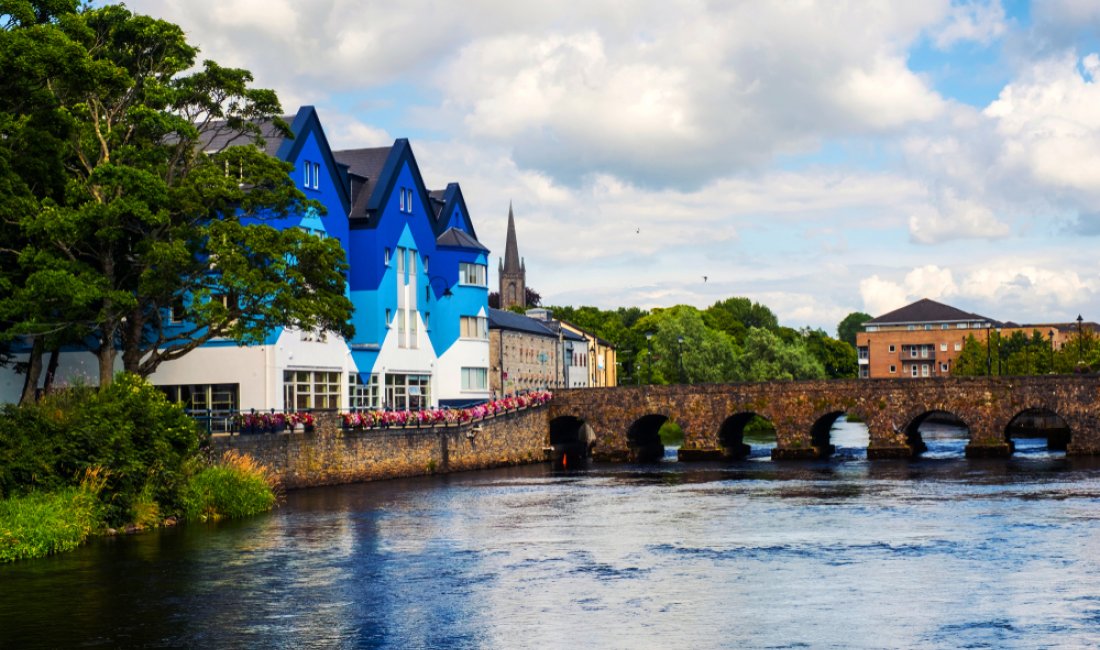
column 420, row 360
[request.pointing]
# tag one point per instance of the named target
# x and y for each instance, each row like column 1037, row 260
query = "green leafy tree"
column 836, row 357
column 767, row 357
column 736, row 315
column 149, row 221
column 852, row 324
column 972, row 359
column 704, row 355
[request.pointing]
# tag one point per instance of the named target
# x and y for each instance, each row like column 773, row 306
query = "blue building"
column 417, row 280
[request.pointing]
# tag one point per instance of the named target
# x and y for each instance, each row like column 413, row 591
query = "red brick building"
column 925, row 338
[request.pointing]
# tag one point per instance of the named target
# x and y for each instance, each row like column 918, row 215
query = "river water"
column 941, row 552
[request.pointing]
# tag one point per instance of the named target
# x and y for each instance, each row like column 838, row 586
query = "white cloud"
column 979, row 22
column 953, row 217
column 1050, row 124
column 1001, row 290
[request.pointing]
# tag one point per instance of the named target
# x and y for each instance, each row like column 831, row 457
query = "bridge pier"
column 987, row 450
column 890, row 453
column 802, row 453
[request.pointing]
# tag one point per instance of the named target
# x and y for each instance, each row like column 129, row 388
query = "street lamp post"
column 1051, row 335
column 989, row 359
column 1080, row 339
column 649, row 357
column 999, row 352
column 680, row 357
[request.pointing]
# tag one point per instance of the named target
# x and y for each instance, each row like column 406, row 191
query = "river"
column 941, row 552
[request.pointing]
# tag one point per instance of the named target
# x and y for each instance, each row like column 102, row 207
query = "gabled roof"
column 452, row 199
column 364, row 168
column 307, row 120
column 380, row 183
column 457, row 238
column 218, row 135
column 926, row 311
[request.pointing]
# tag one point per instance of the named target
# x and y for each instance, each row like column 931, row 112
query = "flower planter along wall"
column 342, row 449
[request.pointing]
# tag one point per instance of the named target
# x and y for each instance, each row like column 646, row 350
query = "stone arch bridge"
column 621, row 423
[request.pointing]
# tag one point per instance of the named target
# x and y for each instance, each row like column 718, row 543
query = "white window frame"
column 893, row 369
column 475, row 380
column 479, row 273
column 316, row 176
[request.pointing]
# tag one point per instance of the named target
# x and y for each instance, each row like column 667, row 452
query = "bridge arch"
column 643, row 438
column 1039, row 422
column 934, row 423
column 731, row 433
column 820, row 437
column 571, row 441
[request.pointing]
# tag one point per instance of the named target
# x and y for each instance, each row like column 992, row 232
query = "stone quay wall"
column 331, row 455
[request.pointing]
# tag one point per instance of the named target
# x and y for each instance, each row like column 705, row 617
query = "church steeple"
column 513, row 272
column 512, row 262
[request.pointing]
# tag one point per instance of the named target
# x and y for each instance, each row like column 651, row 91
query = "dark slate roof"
column 365, row 167
column 217, row 135
column 458, row 238
column 500, row 319
column 926, row 311
column 439, row 200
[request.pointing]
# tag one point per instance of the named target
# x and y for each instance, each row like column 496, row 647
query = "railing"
column 252, row 421
column 384, row 419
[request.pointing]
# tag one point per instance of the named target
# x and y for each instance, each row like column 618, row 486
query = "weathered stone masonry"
column 330, row 455
column 802, row 411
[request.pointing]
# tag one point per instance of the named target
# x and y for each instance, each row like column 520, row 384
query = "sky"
column 818, row 157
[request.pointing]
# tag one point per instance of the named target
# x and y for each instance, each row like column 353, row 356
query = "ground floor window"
column 364, row 395
column 408, row 391
column 311, row 389
column 215, row 404
column 475, row 379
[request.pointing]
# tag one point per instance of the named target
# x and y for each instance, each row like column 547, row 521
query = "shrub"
column 43, row 523
column 237, row 487
column 129, row 428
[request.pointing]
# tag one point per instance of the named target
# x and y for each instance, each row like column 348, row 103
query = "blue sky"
column 820, row 158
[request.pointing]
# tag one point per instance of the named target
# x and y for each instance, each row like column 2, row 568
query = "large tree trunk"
column 34, row 371
column 106, row 355
column 51, row 369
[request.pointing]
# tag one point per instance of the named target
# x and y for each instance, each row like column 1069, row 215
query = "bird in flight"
column 704, row 278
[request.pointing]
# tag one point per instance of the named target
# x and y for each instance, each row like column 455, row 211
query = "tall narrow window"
column 316, row 175
column 307, row 171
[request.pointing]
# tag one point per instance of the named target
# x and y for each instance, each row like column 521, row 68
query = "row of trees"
column 118, row 219
column 1019, row 354
column 732, row 340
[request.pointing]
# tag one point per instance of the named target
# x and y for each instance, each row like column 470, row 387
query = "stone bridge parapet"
column 713, row 416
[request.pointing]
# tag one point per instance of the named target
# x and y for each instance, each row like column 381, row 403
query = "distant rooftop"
column 927, row 311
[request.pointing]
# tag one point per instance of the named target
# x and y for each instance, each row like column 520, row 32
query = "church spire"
column 513, row 275
column 511, row 248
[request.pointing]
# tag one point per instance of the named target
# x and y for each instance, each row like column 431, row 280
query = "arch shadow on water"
column 747, row 435
column 1038, row 432
column 571, row 441
column 937, row 434
column 643, row 439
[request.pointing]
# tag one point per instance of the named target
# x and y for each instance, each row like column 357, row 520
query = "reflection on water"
column 941, row 552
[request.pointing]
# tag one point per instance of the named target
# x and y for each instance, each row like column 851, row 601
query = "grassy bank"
column 44, row 523
column 83, row 461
